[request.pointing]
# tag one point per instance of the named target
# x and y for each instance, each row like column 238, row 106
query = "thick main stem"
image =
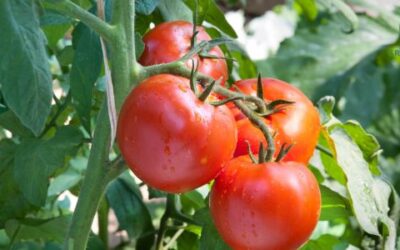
column 93, row 186
column 97, row 174
column 125, row 69
column 169, row 208
column 103, row 220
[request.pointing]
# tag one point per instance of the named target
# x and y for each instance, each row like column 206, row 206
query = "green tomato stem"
column 93, row 186
column 120, row 38
column 60, row 110
column 170, row 204
column 70, row 9
column 103, row 220
column 259, row 122
column 124, row 19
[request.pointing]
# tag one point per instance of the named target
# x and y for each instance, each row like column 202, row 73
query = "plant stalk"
column 93, row 186
column 73, row 10
column 103, row 221
column 97, row 174
column 125, row 70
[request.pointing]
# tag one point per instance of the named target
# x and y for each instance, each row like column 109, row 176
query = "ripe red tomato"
column 268, row 206
column 170, row 41
column 170, row 139
column 296, row 124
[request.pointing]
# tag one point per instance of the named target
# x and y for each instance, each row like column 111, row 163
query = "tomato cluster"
column 175, row 141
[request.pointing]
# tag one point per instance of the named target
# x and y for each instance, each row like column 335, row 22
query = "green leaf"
column 369, row 196
column 359, row 180
column 201, row 8
column 155, row 193
column 26, row 246
column 217, row 18
column 32, row 229
column 325, row 107
column 242, row 64
column 51, row 17
column 386, row 125
column 132, row 214
column 65, row 181
column 36, row 160
column 188, row 241
column 25, row 77
column 329, row 162
column 192, row 200
column 4, row 240
column 311, row 56
column 172, row 10
column 210, row 238
column 10, row 121
column 366, row 142
column 309, row 8
column 85, row 70
column 322, row 243
column 54, row 26
column 13, row 203
column 146, row 7
column 383, row 192
column 333, row 205
column 83, row 3
column 353, row 97
column 95, row 243
column 66, row 56
column 209, row 11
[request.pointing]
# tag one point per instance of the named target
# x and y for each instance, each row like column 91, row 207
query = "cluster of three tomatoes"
column 175, row 142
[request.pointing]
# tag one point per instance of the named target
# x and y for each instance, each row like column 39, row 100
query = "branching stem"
column 73, row 10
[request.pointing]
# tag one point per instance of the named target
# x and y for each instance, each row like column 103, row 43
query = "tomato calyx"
column 193, row 84
column 263, row 154
column 273, row 106
column 207, row 92
column 260, row 88
column 284, row 150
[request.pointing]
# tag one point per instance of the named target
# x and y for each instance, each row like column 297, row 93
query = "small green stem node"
column 206, row 93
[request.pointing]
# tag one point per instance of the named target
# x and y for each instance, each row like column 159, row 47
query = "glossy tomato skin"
column 170, row 139
column 268, row 206
column 170, row 41
column 296, row 124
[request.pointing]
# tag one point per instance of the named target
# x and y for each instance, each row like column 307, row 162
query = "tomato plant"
column 295, row 123
column 70, row 70
column 271, row 205
column 164, row 128
column 169, row 41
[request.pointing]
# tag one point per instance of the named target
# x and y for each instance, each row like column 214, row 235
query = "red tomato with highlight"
column 169, row 41
column 170, row 139
column 268, row 206
column 297, row 124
